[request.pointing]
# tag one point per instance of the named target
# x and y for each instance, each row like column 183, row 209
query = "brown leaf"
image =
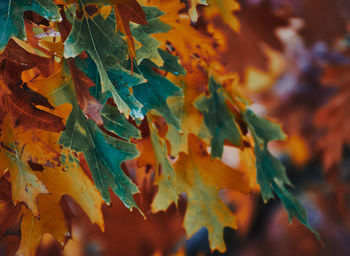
column 125, row 12
column 90, row 106
column 19, row 100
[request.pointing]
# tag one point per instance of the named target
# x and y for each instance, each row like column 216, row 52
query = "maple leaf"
column 12, row 23
column 219, row 120
column 201, row 178
column 271, row 174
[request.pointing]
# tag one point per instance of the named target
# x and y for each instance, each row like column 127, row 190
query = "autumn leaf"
column 191, row 118
column 192, row 11
column 52, row 219
column 109, row 52
column 12, row 23
column 147, row 98
column 201, row 178
column 126, row 12
column 154, row 93
column 144, row 34
column 116, row 122
column 271, row 174
column 165, row 173
column 225, row 9
column 21, row 102
column 104, row 154
column 26, row 186
column 187, row 48
column 90, row 106
column 218, row 118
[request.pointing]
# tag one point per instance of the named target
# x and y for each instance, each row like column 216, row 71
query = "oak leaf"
column 12, row 23
column 201, row 178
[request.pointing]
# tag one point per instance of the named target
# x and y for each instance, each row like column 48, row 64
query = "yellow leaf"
column 224, row 9
column 73, row 183
column 202, row 178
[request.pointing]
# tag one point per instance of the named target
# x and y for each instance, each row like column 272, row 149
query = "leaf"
column 126, row 12
column 20, row 101
column 104, row 154
column 154, row 93
column 90, row 106
column 219, row 120
column 11, row 20
column 52, row 220
column 186, row 47
column 108, row 50
column 149, row 45
column 191, row 118
column 21, row 104
column 201, row 178
column 25, row 185
column 165, row 178
column 192, row 11
column 171, row 63
column 271, row 175
column 122, row 81
column 116, row 122
column 224, row 9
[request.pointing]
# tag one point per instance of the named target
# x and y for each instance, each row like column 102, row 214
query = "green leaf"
column 166, row 178
column 121, row 80
column 264, row 129
column 11, row 16
column 154, row 93
column 109, row 52
column 271, row 175
column 171, row 63
column 149, row 45
column 116, row 122
column 104, row 154
column 219, row 120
